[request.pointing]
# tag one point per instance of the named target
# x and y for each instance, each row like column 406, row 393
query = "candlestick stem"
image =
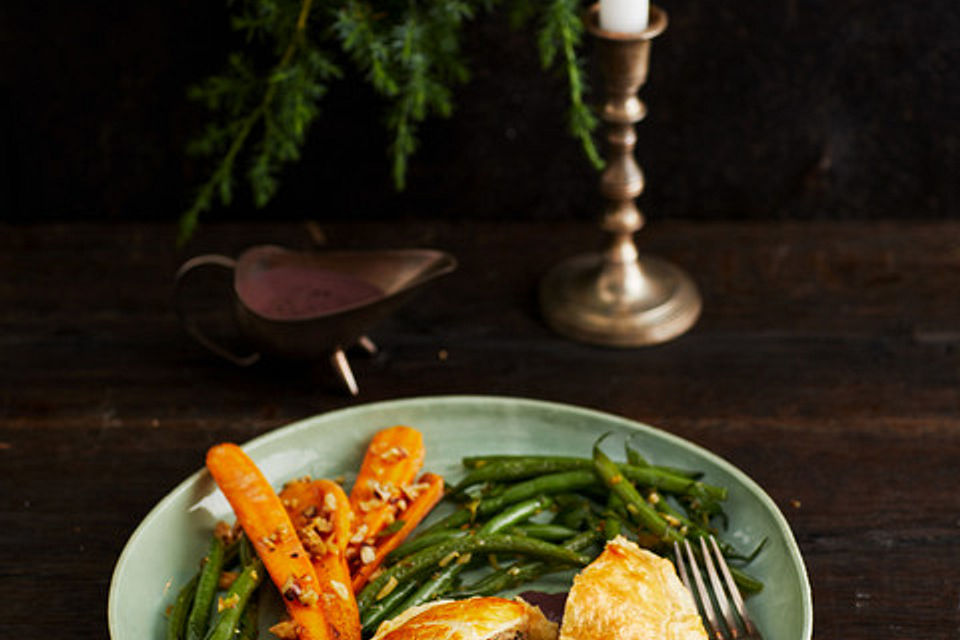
column 621, row 297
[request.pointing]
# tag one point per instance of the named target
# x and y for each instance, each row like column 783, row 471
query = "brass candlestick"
column 619, row 298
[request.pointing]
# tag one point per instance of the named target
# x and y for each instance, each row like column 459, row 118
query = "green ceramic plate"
column 164, row 550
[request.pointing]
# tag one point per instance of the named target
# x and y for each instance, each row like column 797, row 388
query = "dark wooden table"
column 825, row 366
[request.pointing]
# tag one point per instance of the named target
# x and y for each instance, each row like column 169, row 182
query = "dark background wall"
column 758, row 109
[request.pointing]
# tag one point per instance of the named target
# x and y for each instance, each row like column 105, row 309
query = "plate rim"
column 284, row 430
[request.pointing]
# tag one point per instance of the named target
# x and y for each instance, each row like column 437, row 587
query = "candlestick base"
column 628, row 305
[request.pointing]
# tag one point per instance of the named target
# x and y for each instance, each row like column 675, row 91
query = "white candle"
column 624, row 16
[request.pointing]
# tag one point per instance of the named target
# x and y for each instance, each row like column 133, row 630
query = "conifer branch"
column 409, row 52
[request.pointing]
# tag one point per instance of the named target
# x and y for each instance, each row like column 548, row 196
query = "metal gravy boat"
column 313, row 305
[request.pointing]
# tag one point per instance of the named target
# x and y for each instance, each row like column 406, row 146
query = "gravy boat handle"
column 189, row 324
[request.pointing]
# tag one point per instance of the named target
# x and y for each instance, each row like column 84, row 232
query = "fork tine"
column 720, row 597
column 702, row 595
column 748, row 625
column 682, row 568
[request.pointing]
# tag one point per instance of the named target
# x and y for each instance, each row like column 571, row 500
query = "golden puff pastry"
column 629, row 593
column 470, row 619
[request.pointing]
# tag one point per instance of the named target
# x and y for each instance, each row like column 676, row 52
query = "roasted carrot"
column 305, row 499
column 392, row 461
column 268, row 527
column 320, row 512
column 430, row 491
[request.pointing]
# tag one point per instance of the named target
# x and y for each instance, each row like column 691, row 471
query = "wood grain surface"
column 825, row 366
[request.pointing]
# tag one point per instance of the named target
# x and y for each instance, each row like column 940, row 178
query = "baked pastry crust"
column 629, row 593
column 469, row 619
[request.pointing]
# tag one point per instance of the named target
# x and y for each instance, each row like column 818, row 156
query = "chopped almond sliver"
column 369, row 505
column 224, row 532
column 286, row 630
column 330, row 501
column 360, row 534
column 226, row 579
column 340, row 589
column 384, row 492
column 321, row 524
column 367, row 554
column 394, row 454
column 414, row 490
column 387, row 588
column 447, row 559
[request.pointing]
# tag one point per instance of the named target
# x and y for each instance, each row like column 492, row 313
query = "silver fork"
column 712, row 558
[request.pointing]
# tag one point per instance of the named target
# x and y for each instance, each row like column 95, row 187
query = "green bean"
column 574, row 517
column 746, row 582
column 567, row 501
column 543, row 485
column 636, row 506
column 181, row 609
column 509, row 577
column 525, row 570
column 424, row 540
column 247, row 552
column 515, row 468
column 249, row 627
column 577, row 510
column 373, row 615
column 612, row 522
column 435, row 586
column 424, row 560
column 236, row 598
column 478, row 462
column 672, row 482
column 612, row 527
column 581, row 541
column 637, row 459
column 476, row 492
column 549, row 532
column 686, row 524
column 459, row 518
column 493, row 489
column 665, row 478
column 515, row 514
column 206, row 587
column 634, row 457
